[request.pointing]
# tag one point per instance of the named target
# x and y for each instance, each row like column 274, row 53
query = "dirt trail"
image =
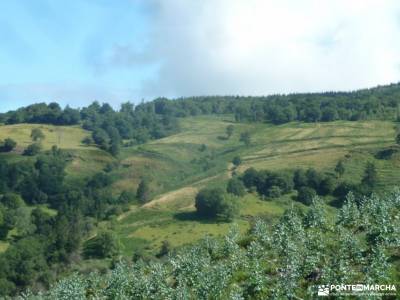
column 187, row 191
column 163, row 198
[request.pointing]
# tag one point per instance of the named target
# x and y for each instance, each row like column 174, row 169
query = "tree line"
column 223, row 204
column 158, row 118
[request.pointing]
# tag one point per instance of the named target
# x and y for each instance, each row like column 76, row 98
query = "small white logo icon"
column 323, row 290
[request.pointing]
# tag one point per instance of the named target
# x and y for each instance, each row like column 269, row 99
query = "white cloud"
column 276, row 46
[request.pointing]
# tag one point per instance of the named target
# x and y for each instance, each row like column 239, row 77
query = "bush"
column 165, row 248
column 8, row 145
column 105, row 244
column 245, row 137
column 11, row 200
column 143, row 191
column 228, row 208
column 327, row 186
column 306, row 194
column 237, row 161
column 313, row 178
column 300, row 178
column 268, row 179
column 126, row 197
column 32, row 149
column 340, row 169
column 250, row 177
column 88, row 140
column 274, row 192
column 203, row 148
column 215, row 203
column 236, row 187
column 370, row 178
column 37, row 134
column 207, row 201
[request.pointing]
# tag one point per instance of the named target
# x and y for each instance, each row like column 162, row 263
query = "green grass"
column 3, row 246
column 176, row 179
column 65, row 137
column 178, row 168
column 86, row 160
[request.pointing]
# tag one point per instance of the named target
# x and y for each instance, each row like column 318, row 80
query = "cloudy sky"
column 77, row 51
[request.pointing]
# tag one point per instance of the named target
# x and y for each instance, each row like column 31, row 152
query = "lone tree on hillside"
column 143, row 191
column 370, row 178
column 339, row 169
column 245, row 138
column 37, row 134
column 237, row 161
column 229, row 131
column 215, row 203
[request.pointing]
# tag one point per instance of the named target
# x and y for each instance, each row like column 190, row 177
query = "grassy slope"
column 86, row 159
column 176, row 180
column 66, row 137
column 176, row 177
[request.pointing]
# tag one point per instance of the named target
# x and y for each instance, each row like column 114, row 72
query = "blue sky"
column 77, row 51
column 66, row 49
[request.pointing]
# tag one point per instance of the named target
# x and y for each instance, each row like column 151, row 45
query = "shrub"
column 37, row 134
column 165, row 248
column 32, row 149
column 274, row 192
column 143, row 191
column 215, row 203
column 300, row 178
column 203, row 148
column 327, row 186
column 370, row 178
column 306, row 194
column 228, row 208
column 105, row 244
column 250, row 177
column 340, row 169
column 12, row 201
column 126, row 197
column 8, row 145
column 236, row 187
column 88, row 140
column 237, row 161
column 245, row 137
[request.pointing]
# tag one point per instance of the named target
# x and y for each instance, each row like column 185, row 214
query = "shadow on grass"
column 222, row 138
column 336, row 202
column 193, row 216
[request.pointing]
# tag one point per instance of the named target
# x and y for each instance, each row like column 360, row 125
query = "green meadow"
column 171, row 163
column 200, row 155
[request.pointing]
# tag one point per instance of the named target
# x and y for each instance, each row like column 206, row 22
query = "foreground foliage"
column 283, row 261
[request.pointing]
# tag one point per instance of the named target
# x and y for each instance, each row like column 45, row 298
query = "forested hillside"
column 128, row 196
column 286, row 260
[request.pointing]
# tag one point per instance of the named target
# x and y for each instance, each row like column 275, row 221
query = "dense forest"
column 45, row 242
column 355, row 241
